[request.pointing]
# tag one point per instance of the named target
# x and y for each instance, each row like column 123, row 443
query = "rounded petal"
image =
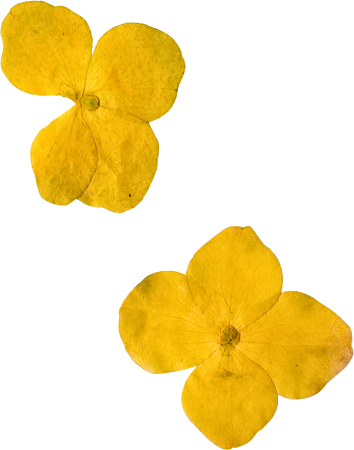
column 161, row 327
column 46, row 49
column 64, row 158
column 300, row 343
column 229, row 398
column 235, row 277
column 137, row 69
column 127, row 159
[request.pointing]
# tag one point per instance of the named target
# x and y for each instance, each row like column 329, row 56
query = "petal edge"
column 161, row 327
column 229, row 398
column 64, row 158
column 235, row 277
column 142, row 78
column 301, row 343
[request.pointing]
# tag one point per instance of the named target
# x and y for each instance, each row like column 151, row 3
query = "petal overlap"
column 301, row 343
column 64, row 158
column 127, row 159
column 131, row 79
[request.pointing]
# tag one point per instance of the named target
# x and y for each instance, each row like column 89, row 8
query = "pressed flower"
column 249, row 341
column 102, row 151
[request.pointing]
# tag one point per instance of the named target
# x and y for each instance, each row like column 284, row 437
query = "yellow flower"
column 102, row 151
column 250, row 341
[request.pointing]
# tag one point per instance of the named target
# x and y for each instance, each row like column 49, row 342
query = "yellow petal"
column 64, row 158
column 300, row 343
column 161, row 327
column 229, row 398
column 234, row 277
column 127, row 159
column 46, row 49
column 137, row 69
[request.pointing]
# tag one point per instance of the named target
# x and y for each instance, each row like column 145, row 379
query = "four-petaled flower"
column 250, row 341
column 101, row 151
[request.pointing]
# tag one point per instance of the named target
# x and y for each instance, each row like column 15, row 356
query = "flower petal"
column 137, row 69
column 46, row 49
column 64, row 158
column 300, row 343
column 229, row 398
column 127, row 159
column 161, row 327
column 235, row 277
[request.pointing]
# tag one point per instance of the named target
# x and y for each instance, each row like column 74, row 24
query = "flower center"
column 229, row 335
column 90, row 101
